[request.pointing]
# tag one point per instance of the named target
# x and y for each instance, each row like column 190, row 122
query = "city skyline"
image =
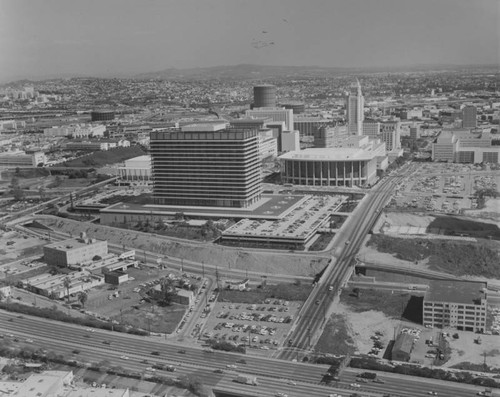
column 115, row 39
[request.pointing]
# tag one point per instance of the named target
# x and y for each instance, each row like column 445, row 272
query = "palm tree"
column 67, row 285
column 82, row 297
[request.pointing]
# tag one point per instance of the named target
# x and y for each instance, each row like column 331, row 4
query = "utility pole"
column 203, row 268
column 217, row 277
column 182, row 265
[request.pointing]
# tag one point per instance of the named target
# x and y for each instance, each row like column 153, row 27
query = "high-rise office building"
column 277, row 114
column 354, row 111
column 206, row 165
column 264, row 96
column 469, row 115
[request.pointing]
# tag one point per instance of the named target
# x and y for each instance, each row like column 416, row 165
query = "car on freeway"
column 124, row 357
column 29, row 340
column 432, row 393
column 291, row 382
column 377, row 380
column 317, row 302
column 347, row 242
column 106, row 342
column 182, row 351
column 231, row 366
column 356, row 385
column 280, row 394
column 155, row 353
column 219, row 371
column 330, row 288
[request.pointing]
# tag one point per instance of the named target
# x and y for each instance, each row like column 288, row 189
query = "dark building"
column 264, row 96
column 102, row 115
column 296, row 106
column 402, row 348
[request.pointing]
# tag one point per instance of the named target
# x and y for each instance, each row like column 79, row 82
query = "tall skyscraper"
column 469, row 115
column 206, row 165
column 354, row 110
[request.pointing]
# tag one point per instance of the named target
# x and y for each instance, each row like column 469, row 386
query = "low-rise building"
column 74, row 251
column 458, row 304
column 403, row 346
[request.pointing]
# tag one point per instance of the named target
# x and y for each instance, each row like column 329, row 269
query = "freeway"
column 133, row 353
column 313, row 314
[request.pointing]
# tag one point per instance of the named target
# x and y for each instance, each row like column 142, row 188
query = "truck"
column 246, row 379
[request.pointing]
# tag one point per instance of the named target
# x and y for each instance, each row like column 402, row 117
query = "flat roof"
column 466, row 292
column 329, row 154
column 271, row 206
column 70, row 244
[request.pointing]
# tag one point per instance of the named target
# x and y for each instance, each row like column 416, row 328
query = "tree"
column 167, row 291
column 67, row 285
column 82, row 297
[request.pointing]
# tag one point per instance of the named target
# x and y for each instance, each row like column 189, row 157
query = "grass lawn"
column 163, row 319
column 101, row 158
column 335, row 338
column 455, row 257
column 290, row 292
column 392, row 305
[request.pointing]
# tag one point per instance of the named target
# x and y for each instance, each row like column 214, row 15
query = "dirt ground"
column 266, row 262
column 465, row 349
column 490, row 213
column 22, row 247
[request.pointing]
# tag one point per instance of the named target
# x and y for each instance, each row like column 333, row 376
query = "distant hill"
column 260, row 72
column 241, row 72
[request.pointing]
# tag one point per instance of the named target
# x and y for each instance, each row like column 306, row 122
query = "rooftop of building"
column 329, row 154
column 466, row 292
column 67, row 245
column 203, row 127
column 269, row 207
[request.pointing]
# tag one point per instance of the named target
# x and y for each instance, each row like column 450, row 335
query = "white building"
column 277, row 114
column 355, row 111
column 136, row 170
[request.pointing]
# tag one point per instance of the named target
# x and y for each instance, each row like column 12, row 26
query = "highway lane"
column 64, row 338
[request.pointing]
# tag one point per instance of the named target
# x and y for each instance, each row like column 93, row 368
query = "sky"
column 124, row 37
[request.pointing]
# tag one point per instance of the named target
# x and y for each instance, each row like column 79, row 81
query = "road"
column 129, row 352
column 315, row 310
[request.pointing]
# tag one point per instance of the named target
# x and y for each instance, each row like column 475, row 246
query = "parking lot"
column 446, row 188
column 261, row 326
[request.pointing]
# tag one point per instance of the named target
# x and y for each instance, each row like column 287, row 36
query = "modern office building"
column 463, row 146
column 458, row 304
column 264, row 96
column 325, row 137
column 277, row 114
column 414, row 132
column 390, row 133
column 352, row 162
column 249, row 123
column 469, row 117
column 206, row 165
column 307, row 126
column 355, row 110
column 74, row 251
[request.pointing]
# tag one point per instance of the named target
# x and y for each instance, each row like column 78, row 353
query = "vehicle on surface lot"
column 247, row 379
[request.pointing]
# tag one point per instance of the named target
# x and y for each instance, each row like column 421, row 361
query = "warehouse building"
column 74, row 251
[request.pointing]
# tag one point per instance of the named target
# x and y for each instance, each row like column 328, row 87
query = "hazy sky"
column 107, row 37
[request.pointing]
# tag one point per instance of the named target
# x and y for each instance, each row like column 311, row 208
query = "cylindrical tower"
column 264, row 96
